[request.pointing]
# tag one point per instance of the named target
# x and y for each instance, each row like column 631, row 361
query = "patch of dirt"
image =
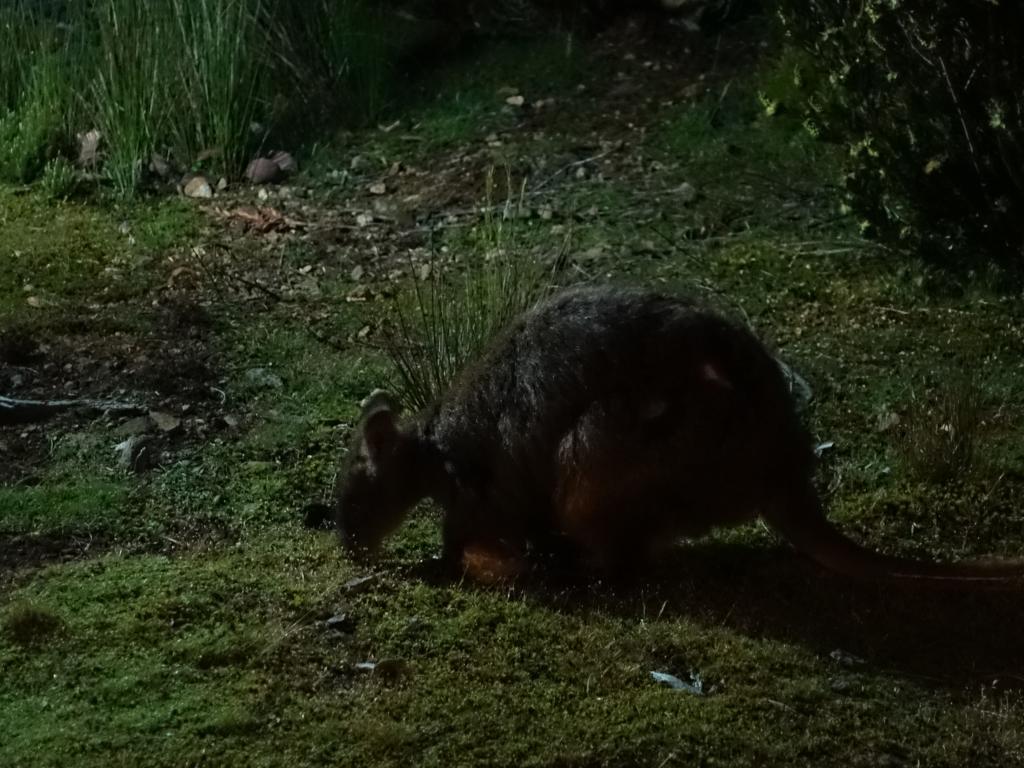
column 22, row 553
column 158, row 358
column 374, row 218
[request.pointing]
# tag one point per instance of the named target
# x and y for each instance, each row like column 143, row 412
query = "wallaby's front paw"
column 437, row 570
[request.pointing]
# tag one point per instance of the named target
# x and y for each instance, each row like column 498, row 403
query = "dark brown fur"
column 615, row 422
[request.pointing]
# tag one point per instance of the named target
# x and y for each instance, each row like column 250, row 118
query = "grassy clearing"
column 218, row 651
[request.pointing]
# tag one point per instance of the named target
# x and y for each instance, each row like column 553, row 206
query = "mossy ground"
column 177, row 616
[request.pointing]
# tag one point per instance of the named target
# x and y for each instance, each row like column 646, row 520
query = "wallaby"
column 617, row 421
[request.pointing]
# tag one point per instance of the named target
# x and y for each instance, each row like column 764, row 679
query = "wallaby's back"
column 620, row 418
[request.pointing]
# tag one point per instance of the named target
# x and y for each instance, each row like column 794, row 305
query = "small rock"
column 423, row 271
column 262, row 170
column 515, row 101
column 819, row 450
column 696, row 686
column 839, row 685
column 261, row 377
column 359, row 163
column 89, row 148
column 229, row 421
column 357, row 273
column 159, row 166
column 359, row 584
column 165, row 422
column 364, row 219
column 692, row 91
column 139, row 425
column 222, row 184
column 198, row 187
column 887, row 421
column 263, row 194
column 391, row 670
column 687, row 193
column 285, row 161
column 380, row 188
column 594, row 253
column 341, row 622
column 845, row 658
column 136, row 453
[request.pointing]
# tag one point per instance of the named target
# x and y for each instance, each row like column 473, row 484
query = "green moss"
column 74, row 252
column 80, row 507
column 29, row 624
column 224, row 653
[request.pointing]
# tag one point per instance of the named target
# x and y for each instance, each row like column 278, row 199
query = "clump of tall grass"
column 29, row 624
column 130, row 90
column 222, row 66
column 202, row 100
column 939, row 439
column 440, row 324
column 35, row 91
column 200, row 80
column 60, row 179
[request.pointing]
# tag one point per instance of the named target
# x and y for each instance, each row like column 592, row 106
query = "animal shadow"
column 944, row 637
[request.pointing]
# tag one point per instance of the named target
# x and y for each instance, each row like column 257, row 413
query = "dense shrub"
column 929, row 98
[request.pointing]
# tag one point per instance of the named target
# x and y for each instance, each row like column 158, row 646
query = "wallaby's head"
column 380, row 483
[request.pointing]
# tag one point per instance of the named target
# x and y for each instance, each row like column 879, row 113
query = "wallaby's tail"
column 818, row 538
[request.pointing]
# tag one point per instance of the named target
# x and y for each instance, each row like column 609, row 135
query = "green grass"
column 66, row 252
column 83, row 507
column 224, row 654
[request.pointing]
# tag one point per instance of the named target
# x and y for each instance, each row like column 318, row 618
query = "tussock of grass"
column 448, row 319
column 29, row 624
column 939, row 441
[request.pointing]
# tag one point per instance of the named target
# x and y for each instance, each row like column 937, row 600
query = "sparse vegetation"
column 940, row 439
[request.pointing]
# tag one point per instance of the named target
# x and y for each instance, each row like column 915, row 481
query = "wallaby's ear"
column 379, row 425
column 379, row 398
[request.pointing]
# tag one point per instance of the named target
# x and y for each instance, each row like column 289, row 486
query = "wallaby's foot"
column 490, row 565
column 436, row 570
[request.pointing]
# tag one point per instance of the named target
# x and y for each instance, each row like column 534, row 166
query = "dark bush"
column 929, row 98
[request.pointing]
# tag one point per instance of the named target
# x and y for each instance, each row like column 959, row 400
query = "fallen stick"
column 13, row 411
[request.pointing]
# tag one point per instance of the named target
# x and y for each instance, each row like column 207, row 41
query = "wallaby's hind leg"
column 472, row 547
